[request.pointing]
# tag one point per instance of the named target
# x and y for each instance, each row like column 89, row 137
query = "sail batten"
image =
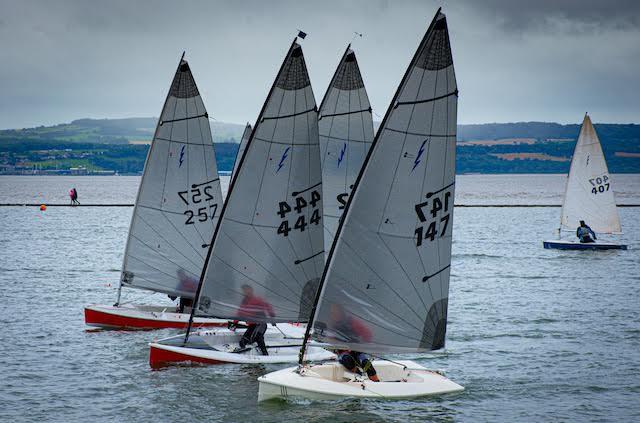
column 265, row 249
column 178, row 199
column 386, row 282
column 589, row 192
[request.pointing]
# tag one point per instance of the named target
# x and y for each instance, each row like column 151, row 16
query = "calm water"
column 533, row 334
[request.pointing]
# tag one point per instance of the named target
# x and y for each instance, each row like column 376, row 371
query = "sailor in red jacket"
column 252, row 309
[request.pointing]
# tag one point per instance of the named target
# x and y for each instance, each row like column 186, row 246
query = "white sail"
column 270, row 236
column 179, row 198
column 386, row 282
column 243, row 144
column 589, row 192
column 346, row 132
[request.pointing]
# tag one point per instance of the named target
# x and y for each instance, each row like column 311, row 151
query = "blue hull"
column 565, row 245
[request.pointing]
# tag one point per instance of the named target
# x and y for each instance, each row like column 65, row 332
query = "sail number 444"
column 433, row 210
column 300, row 221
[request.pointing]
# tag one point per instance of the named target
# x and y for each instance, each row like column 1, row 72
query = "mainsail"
column 346, row 132
column 269, row 241
column 243, row 144
column 386, row 282
column 589, row 192
column 179, row 198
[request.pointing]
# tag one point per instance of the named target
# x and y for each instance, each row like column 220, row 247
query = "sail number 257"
column 429, row 213
column 201, row 197
column 600, row 184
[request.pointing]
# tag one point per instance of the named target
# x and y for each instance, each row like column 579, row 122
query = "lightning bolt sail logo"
column 182, row 155
column 283, row 158
column 344, row 148
column 416, row 162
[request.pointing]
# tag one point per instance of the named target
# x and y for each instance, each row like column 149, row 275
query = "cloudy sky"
column 546, row 60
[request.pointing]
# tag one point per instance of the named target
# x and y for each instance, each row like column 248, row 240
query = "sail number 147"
column 433, row 210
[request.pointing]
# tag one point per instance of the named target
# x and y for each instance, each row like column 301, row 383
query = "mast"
column 231, row 192
column 144, row 172
column 330, row 256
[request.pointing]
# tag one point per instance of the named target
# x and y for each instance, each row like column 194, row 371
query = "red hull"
column 159, row 358
column 109, row 320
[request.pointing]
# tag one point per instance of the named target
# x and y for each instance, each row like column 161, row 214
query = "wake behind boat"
column 589, row 205
column 176, row 210
column 385, row 285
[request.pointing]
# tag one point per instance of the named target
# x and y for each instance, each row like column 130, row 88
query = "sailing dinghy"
column 266, row 258
column 177, row 208
column 385, row 285
column 588, row 195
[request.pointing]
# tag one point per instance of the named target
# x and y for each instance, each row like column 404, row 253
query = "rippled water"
column 533, row 334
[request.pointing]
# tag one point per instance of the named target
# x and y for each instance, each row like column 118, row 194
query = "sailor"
column 352, row 329
column 585, row 234
column 252, row 308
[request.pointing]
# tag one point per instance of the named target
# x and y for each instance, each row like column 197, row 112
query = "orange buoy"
column 43, row 207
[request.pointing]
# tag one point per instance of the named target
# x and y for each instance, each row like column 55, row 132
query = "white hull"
column 332, row 382
column 142, row 317
column 216, row 347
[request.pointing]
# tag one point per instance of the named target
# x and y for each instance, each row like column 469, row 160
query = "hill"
column 121, row 145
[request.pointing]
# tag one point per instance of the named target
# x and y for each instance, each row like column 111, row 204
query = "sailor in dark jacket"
column 585, row 233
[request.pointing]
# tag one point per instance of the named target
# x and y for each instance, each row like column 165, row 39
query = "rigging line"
column 382, row 280
column 419, row 134
column 249, row 223
column 426, row 278
column 161, row 210
column 296, row 193
column 290, row 143
column 429, row 100
column 265, row 287
column 308, row 258
column 288, row 116
column 204, row 183
column 162, row 122
column 320, row 117
column 350, row 140
column 177, row 141
column 168, row 243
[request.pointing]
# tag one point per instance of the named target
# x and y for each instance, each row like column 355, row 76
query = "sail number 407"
column 600, row 184
column 433, row 210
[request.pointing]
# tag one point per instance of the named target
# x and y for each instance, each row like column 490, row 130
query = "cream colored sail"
column 589, row 193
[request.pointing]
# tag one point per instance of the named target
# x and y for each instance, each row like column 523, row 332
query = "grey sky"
column 515, row 60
